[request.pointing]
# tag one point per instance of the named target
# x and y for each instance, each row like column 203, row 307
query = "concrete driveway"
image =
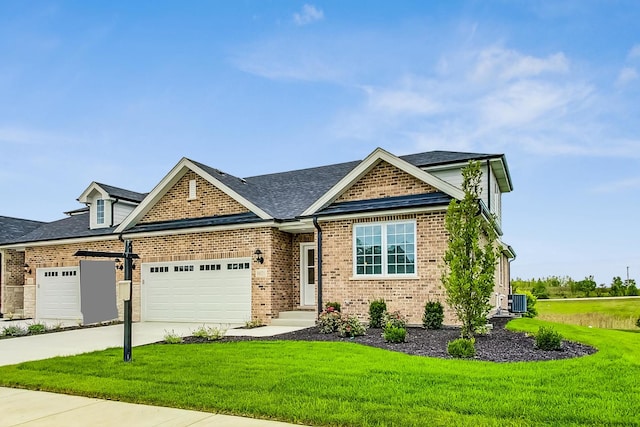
column 77, row 341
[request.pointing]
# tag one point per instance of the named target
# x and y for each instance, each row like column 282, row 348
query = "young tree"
column 470, row 259
column 617, row 287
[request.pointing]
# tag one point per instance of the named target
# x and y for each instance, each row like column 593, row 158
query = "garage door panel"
column 215, row 291
column 58, row 293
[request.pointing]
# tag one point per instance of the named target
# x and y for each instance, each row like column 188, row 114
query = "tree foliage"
column 471, row 256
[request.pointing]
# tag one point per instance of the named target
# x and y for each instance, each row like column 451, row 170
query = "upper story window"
column 387, row 249
column 100, row 211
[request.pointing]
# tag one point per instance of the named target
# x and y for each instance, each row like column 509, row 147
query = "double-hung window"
column 385, row 249
column 100, row 211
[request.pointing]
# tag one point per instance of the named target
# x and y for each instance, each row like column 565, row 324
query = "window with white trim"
column 100, row 211
column 384, row 249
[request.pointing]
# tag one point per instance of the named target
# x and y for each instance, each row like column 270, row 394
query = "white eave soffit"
column 377, row 156
column 94, row 186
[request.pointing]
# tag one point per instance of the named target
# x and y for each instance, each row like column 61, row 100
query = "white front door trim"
column 307, row 274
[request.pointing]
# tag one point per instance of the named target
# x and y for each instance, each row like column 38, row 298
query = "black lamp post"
column 128, row 256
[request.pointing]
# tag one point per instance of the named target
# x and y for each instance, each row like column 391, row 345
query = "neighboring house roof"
column 13, row 228
column 71, row 227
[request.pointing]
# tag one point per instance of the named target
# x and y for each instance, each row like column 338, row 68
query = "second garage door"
column 213, row 291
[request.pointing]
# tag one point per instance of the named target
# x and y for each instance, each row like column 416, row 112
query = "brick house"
column 217, row 248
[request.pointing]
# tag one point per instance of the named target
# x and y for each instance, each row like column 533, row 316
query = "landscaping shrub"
column 638, row 322
column 377, row 309
column 255, row 323
column 14, row 331
column 351, row 327
column 548, row 339
column 483, row 329
column 531, row 305
column 394, row 320
column 433, row 315
column 36, row 328
column 172, row 337
column 332, row 306
column 462, row 348
column 394, row 335
column 211, row 333
column 328, row 321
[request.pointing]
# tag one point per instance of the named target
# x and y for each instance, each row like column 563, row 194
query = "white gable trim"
column 380, row 155
column 93, row 186
column 178, row 171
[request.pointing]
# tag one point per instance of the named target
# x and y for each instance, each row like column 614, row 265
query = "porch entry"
column 308, row 274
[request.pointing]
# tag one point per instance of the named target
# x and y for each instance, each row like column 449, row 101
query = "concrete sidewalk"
column 34, row 408
column 26, row 408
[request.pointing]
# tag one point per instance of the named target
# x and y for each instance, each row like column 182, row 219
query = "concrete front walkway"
column 34, row 408
column 26, row 408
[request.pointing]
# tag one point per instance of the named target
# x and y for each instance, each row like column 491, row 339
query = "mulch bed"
column 501, row 345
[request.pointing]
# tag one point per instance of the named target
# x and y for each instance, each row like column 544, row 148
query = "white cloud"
column 626, row 76
column 634, row 52
column 508, row 65
column 619, row 186
column 401, row 101
column 308, row 15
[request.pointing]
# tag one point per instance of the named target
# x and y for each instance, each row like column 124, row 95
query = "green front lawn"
column 349, row 384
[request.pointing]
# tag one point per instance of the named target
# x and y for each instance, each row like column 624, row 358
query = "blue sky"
column 119, row 91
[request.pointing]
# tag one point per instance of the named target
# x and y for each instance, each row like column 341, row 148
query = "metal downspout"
column 489, row 185
column 113, row 210
column 315, row 223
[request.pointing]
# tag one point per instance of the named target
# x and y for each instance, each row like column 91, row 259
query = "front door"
column 307, row 274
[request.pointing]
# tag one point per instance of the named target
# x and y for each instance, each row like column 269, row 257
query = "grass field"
column 348, row 384
column 618, row 313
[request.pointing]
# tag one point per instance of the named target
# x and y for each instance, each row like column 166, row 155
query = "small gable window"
column 100, row 211
column 387, row 249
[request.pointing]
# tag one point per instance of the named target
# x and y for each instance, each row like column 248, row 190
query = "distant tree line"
column 566, row 287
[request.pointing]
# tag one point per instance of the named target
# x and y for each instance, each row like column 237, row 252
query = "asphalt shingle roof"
column 13, row 228
column 121, row 193
column 66, row 228
column 284, row 196
column 413, row 201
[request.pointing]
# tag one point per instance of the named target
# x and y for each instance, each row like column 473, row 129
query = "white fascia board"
column 377, row 156
column 212, row 228
column 410, row 211
column 155, row 195
column 229, row 192
column 22, row 246
column 169, row 181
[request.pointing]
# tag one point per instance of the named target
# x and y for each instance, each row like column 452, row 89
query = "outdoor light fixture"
column 27, row 269
column 119, row 265
column 258, row 254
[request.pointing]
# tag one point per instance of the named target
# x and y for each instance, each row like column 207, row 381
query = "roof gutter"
column 315, row 223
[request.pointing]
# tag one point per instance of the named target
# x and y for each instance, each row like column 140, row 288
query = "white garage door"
column 214, row 291
column 58, row 293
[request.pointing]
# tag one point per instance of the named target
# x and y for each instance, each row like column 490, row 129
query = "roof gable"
column 228, row 184
column 374, row 159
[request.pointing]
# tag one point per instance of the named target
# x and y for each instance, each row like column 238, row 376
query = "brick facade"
column 12, row 292
column 385, row 180
column 209, row 201
column 408, row 295
column 269, row 294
